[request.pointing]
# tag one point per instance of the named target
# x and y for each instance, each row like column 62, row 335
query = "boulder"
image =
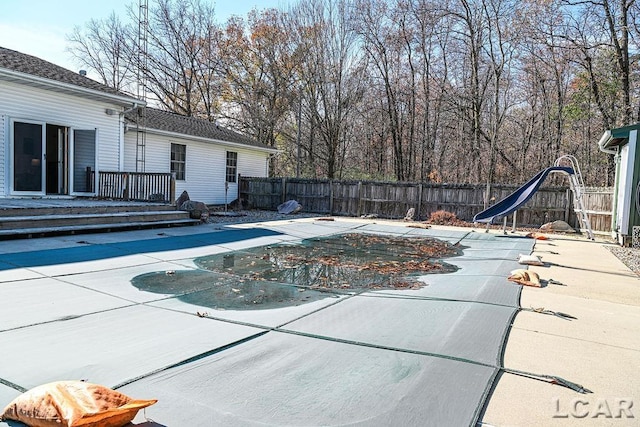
column 289, row 207
column 557, row 226
column 197, row 210
column 239, row 204
column 184, row 197
column 410, row 214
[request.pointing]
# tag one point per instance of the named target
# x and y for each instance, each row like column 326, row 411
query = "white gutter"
column 209, row 140
column 68, row 86
column 135, row 107
column 122, row 124
column 605, row 137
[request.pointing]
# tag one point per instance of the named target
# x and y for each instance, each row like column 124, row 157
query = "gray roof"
column 155, row 119
column 21, row 62
column 192, row 126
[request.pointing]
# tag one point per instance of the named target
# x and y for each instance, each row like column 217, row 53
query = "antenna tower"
column 143, row 44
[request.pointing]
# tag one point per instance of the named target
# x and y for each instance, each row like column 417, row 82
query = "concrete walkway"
column 600, row 350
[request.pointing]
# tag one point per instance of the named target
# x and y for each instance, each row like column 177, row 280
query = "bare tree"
column 331, row 77
column 104, row 47
column 443, row 90
column 259, row 60
column 176, row 57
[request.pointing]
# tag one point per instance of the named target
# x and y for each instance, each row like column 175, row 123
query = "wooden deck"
column 66, row 202
column 39, row 217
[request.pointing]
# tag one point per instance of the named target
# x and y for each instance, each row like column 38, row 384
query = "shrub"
column 443, row 218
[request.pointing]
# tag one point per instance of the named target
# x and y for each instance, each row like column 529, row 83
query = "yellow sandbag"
column 73, row 404
column 525, row 277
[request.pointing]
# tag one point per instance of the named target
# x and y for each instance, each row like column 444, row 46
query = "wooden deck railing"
column 137, row 186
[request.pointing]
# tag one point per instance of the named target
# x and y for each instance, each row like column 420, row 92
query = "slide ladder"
column 578, row 189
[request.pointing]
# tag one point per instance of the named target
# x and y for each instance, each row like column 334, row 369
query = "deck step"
column 23, row 233
column 48, row 221
column 80, row 210
column 37, row 218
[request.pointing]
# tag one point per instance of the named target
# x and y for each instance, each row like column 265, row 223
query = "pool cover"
column 422, row 356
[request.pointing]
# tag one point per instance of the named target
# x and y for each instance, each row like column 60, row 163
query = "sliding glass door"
column 49, row 159
column 84, row 160
column 28, row 157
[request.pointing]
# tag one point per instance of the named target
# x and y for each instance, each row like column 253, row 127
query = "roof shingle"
column 27, row 64
column 192, row 126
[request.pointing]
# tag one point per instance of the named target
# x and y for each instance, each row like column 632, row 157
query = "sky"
column 39, row 27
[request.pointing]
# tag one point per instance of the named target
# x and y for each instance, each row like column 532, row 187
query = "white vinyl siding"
column 252, row 163
column 21, row 102
column 205, row 165
column 625, row 189
column 4, row 154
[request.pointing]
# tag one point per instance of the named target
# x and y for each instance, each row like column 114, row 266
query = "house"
column 623, row 143
column 62, row 134
column 205, row 157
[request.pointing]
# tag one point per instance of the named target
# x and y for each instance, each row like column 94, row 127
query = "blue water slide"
column 519, row 197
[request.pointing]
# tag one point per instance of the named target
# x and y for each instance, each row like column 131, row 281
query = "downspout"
column 121, row 133
column 616, row 185
column 616, row 153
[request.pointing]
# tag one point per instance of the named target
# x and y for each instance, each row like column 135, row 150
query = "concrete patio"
column 600, row 350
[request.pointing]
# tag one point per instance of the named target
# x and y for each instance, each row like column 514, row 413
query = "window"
column 178, row 160
column 232, row 166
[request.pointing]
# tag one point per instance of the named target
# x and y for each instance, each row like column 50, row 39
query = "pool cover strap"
column 552, row 379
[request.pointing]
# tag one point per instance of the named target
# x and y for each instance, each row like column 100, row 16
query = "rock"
column 239, row 204
column 369, row 216
column 410, row 214
column 559, row 225
column 289, row 207
column 197, row 210
column 184, row 197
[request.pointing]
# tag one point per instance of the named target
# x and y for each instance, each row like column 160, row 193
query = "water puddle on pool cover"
column 285, row 275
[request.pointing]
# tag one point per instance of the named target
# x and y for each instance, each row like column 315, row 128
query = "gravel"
column 629, row 257
column 248, row 216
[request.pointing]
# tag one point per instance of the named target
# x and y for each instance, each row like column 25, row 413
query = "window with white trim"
column 232, row 166
column 178, row 160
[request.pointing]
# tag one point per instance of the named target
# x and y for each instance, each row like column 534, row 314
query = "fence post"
column 417, row 217
column 359, row 211
column 567, row 210
column 172, row 188
column 125, row 190
column 284, row 190
column 330, row 197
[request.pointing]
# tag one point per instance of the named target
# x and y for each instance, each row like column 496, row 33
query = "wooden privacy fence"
column 137, row 186
column 394, row 199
